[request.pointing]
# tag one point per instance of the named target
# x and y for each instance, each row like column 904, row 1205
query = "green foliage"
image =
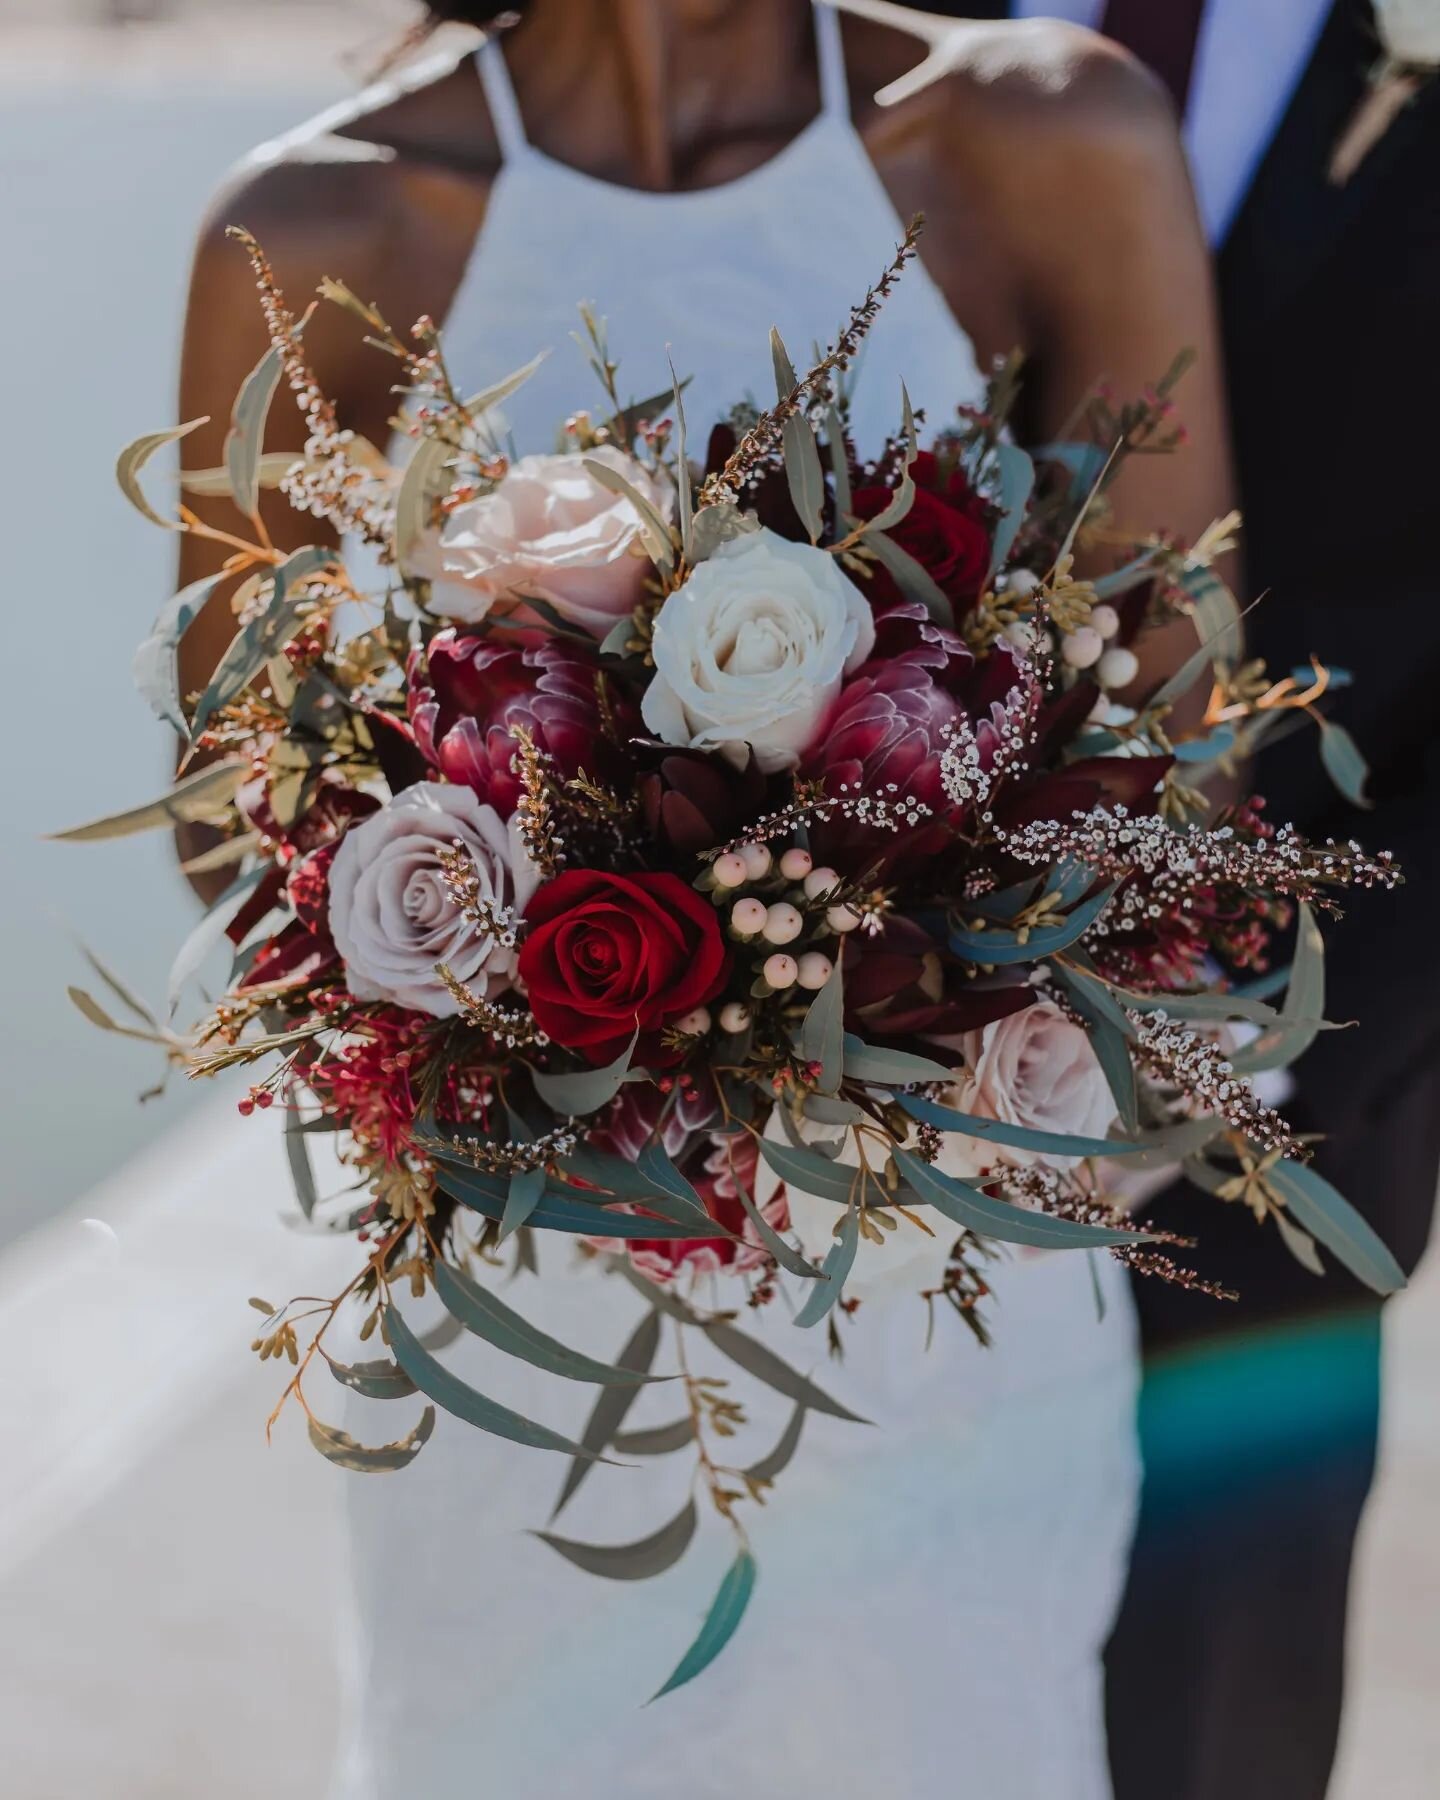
column 720, row 1623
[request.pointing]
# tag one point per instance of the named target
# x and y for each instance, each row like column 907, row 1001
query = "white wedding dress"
column 935, row 1589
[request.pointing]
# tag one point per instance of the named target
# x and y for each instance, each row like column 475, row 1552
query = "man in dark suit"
column 1258, row 1421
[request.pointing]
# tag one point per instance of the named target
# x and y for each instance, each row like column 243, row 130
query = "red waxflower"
column 945, row 530
column 468, row 693
column 605, row 954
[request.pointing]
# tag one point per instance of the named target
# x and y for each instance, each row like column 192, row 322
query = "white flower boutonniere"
column 1410, row 36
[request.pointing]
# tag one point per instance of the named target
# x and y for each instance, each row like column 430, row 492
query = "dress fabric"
column 935, row 1588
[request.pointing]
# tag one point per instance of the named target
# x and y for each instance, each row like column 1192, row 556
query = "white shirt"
column 1249, row 59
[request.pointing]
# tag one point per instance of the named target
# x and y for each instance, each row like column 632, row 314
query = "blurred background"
column 168, row 1595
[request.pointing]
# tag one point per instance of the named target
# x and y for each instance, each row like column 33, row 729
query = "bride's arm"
column 296, row 212
column 1114, row 279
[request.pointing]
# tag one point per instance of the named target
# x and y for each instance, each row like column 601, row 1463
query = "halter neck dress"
column 935, row 1590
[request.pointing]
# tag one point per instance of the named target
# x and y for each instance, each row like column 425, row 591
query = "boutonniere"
column 1410, row 57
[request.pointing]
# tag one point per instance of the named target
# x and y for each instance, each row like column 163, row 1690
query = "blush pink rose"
column 1035, row 1068
column 549, row 531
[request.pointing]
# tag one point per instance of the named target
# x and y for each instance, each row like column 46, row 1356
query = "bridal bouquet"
column 773, row 867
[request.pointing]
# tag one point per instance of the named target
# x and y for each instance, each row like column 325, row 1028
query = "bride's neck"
column 643, row 84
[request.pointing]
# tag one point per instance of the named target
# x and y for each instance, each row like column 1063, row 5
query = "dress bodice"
column 700, row 275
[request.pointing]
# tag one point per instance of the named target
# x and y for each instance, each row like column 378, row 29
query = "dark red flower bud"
column 467, row 695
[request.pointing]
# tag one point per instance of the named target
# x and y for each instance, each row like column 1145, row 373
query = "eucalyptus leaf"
column 1016, row 473
column 1303, row 1014
column 381, row 1380
column 839, row 460
column 761, row 1362
column 153, row 666
column 779, row 1459
column 611, row 1407
column 626, row 422
column 656, row 1440
column 243, row 441
column 209, row 930
column 719, row 1626
column 653, row 528
column 266, row 634
column 1343, row 762
column 825, row 1110
column 810, row 1173
column 803, row 474
column 465, row 1402
column 1016, row 1137
column 685, row 500
column 587, row 1090
column 822, row 1035
column 97, row 1015
column 565, row 1208
column 301, row 1174
column 1299, row 1243
column 913, row 579
column 783, row 1252
column 890, row 1068
column 1001, row 947
column 1084, row 463
column 119, row 989
column 525, row 1192
column 631, row 1562
column 133, row 458
column 339, row 1447
column 717, row 524
column 270, row 470
column 968, row 1206
column 834, row 1271
column 1215, row 613
column 900, row 503
column 196, row 796
column 1126, row 578
column 488, row 1317
column 1325, row 1213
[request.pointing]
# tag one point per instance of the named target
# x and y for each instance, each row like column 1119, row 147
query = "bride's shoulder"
column 1024, row 93
column 385, row 186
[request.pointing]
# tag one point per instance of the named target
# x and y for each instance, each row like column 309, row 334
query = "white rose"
column 1035, row 1068
column 549, row 531
column 753, row 648
column 1410, row 29
column 391, row 914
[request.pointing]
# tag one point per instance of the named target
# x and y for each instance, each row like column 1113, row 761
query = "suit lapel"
column 1294, row 218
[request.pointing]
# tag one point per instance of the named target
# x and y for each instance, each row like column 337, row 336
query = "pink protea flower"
column 888, row 730
column 468, row 693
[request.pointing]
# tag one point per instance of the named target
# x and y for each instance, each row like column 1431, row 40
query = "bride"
column 935, row 1593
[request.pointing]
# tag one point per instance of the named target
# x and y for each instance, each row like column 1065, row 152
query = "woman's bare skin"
column 1059, row 215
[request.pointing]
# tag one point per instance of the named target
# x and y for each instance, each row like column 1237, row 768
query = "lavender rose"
column 549, row 531
column 392, row 916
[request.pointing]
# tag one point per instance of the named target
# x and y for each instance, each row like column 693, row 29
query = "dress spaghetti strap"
column 830, row 54
column 500, row 98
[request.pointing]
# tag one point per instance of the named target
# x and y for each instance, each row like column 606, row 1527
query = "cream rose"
column 1035, row 1068
column 1410, row 30
column 549, row 531
column 391, row 914
column 753, row 648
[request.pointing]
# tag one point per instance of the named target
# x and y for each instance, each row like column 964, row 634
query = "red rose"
column 607, row 953
column 943, row 529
